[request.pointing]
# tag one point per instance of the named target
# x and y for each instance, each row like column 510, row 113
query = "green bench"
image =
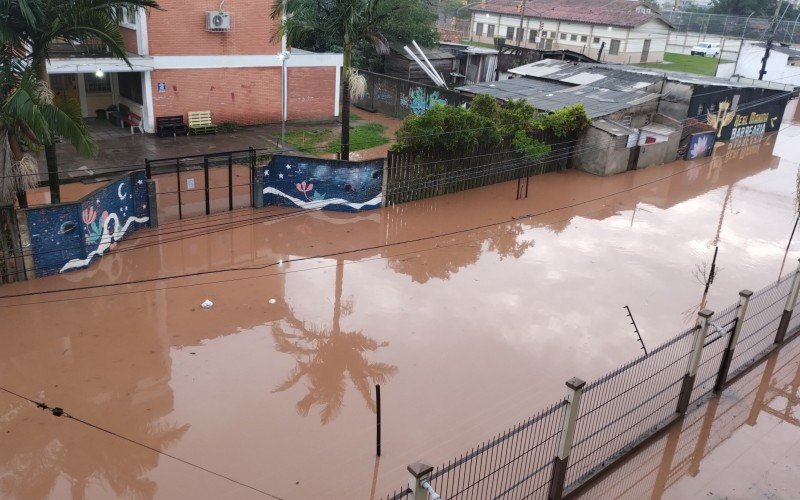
column 200, row 123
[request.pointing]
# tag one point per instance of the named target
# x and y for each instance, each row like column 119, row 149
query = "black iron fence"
column 416, row 175
column 12, row 267
column 189, row 186
column 565, row 446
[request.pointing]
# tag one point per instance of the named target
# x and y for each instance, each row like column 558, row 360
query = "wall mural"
column 314, row 183
column 701, row 145
column 418, row 102
column 70, row 235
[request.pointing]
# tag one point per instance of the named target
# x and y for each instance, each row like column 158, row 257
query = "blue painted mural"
column 418, row 101
column 71, row 235
column 313, row 183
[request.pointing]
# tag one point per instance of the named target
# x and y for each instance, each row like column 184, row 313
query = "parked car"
column 706, row 49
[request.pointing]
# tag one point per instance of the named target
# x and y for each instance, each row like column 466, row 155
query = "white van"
column 706, row 49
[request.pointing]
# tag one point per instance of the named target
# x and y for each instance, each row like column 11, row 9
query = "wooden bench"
column 170, row 125
column 200, row 123
column 133, row 121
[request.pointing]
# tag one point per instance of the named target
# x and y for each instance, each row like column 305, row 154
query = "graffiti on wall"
column 419, row 102
column 313, row 184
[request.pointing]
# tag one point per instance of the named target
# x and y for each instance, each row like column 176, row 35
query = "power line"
column 59, row 412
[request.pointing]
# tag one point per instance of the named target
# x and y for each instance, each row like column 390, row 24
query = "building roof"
column 776, row 47
column 575, row 73
column 431, row 54
column 621, row 13
column 552, row 96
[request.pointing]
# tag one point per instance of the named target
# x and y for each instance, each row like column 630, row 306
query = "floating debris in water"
column 272, row 301
column 207, row 304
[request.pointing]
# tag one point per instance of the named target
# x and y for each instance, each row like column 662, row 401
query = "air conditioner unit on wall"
column 218, row 21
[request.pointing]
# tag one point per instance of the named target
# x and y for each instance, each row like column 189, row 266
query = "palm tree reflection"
column 327, row 358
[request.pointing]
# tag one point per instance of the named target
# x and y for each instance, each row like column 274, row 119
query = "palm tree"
column 28, row 28
column 29, row 117
column 349, row 21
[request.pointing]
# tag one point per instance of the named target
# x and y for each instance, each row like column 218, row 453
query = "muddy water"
column 468, row 333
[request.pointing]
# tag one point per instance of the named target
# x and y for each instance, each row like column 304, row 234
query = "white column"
column 338, row 91
column 82, row 95
column 142, row 37
column 148, row 121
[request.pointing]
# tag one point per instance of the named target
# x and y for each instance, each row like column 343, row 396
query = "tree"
column 759, row 8
column 349, row 22
column 29, row 27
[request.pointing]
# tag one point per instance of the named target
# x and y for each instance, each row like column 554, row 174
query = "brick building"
column 192, row 56
column 619, row 31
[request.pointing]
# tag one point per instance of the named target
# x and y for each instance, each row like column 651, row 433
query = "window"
column 95, row 84
column 552, row 34
column 509, row 33
column 563, row 36
column 532, row 36
column 614, row 48
column 573, row 38
column 584, row 38
column 520, row 34
column 128, row 20
column 130, row 86
column 490, row 31
column 597, row 39
column 544, row 34
column 479, row 29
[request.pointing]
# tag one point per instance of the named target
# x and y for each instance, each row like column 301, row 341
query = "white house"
column 783, row 65
column 621, row 31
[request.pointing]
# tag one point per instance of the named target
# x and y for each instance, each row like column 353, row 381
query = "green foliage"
column 368, row 135
column 566, row 121
column 449, row 128
column 759, row 8
column 486, row 124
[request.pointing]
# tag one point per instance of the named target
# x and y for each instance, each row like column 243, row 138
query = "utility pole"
column 521, row 19
column 764, row 61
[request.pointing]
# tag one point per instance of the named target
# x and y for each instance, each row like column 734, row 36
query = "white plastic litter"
column 272, row 301
column 207, row 304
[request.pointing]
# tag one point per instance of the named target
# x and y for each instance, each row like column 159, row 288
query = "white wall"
column 778, row 69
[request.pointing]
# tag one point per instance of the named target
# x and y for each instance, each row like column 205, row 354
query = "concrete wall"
column 313, row 184
column 682, row 43
column 631, row 40
column 70, row 236
column 778, row 68
column 605, row 154
column 675, row 100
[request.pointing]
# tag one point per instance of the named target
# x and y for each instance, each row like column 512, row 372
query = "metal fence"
column 416, row 175
column 567, row 445
column 190, row 186
column 750, row 28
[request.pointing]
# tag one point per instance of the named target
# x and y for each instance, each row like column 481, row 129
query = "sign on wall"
column 739, row 112
column 162, row 86
column 700, row 145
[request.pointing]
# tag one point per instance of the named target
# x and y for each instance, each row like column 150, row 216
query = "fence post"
column 701, row 330
column 419, row 472
column 787, row 311
column 733, row 339
column 152, row 202
column 561, row 461
column 148, row 170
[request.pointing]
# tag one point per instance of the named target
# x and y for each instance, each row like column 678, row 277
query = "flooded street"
column 470, row 310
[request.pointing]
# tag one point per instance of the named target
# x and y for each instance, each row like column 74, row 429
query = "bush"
column 449, row 128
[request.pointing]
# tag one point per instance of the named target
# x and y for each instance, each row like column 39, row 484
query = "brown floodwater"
column 467, row 333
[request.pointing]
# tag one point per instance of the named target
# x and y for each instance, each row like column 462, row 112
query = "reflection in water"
column 327, row 358
column 694, row 448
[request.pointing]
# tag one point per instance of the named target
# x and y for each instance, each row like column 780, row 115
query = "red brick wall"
column 247, row 96
column 311, row 93
column 181, row 28
column 129, row 39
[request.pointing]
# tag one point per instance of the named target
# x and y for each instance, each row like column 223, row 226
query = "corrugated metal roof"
column 577, row 73
column 552, row 96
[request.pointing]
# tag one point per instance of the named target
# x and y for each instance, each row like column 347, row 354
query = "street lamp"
column 283, row 57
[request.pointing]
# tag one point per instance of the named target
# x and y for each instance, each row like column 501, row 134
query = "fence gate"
column 202, row 185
